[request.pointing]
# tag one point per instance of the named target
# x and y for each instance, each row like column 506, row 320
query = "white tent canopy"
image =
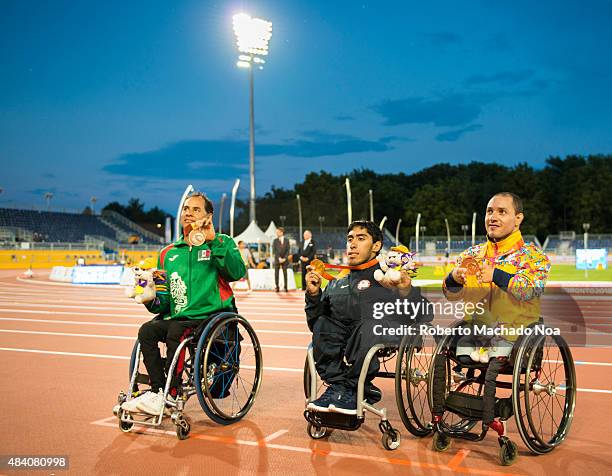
column 271, row 231
column 252, row 234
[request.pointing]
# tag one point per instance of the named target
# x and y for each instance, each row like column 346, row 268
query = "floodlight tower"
column 252, row 37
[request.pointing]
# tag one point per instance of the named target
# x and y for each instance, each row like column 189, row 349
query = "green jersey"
column 197, row 278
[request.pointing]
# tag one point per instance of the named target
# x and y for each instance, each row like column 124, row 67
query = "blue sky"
column 121, row 99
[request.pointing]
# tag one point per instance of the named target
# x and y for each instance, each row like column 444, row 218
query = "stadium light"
column 48, row 197
column 371, row 205
column 223, row 197
column 233, row 206
column 321, row 221
column 299, row 203
column 397, row 229
column 93, row 201
column 423, row 229
column 349, row 206
column 585, row 227
column 382, row 223
column 448, row 239
column 252, row 38
column 416, row 232
column 465, row 228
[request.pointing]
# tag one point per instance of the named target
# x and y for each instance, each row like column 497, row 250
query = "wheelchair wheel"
column 413, row 364
column 228, row 368
column 468, row 383
column 134, row 357
column 307, row 380
column 543, row 391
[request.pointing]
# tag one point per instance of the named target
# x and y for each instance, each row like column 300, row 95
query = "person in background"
column 280, row 249
column 308, row 251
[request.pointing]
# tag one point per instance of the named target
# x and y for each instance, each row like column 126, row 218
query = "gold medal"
column 197, row 237
column 471, row 265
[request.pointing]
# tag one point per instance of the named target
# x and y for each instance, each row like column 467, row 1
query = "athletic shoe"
column 132, row 405
column 154, row 404
column 372, row 393
column 321, row 404
column 344, row 401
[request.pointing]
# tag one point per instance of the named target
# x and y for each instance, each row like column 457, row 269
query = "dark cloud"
column 452, row 136
column 225, row 159
column 450, row 110
column 387, row 139
column 61, row 193
column 41, row 191
column 444, row 38
column 344, row 118
column 505, row 77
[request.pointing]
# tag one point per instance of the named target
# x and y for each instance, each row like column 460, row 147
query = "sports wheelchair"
column 412, row 363
column 542, row 393
column 222, row 366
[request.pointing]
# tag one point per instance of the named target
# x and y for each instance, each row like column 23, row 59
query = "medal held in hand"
column 195, row 236
column 471, row 265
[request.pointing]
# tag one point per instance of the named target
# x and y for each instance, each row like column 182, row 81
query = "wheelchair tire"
column 413, row 364
column 544, row 377
column 220, row 358
column 133, row 358
column 307, row 379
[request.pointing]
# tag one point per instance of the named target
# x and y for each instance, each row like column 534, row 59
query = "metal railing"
column 117, row 218
column 32, row 245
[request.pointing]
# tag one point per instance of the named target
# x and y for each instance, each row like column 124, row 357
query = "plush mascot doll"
column 480, row 355
column 397, row 259
column 145, row 275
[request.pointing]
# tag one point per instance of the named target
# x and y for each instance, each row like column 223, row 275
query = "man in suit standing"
column 280, row 248
column 307, row 254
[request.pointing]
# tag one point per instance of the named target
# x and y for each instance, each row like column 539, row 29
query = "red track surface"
column 62, row 404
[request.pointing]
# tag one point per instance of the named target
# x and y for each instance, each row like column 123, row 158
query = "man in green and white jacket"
column 196, row 285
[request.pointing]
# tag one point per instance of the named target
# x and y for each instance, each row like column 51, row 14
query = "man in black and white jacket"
column 308, row 251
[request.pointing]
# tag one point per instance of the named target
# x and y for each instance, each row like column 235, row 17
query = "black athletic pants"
column 172, row 332
column 340, row 350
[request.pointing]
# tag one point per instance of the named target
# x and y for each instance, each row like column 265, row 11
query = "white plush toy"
column 397, row 259
column 480, row 355
column 143, row 289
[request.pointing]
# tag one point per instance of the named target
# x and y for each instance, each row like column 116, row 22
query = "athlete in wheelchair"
column 502, row 361
column 345, row 351
column 210, row 350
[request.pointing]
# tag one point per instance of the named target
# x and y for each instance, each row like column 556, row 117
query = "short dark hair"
column 208, row 205
column 517, row 203
column 281, row 229
column 372, row 228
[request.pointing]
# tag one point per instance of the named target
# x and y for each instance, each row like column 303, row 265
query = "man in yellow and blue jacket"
column 511, row 274
column 506, row 277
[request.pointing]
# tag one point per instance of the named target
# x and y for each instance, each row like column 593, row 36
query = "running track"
column 65, row 351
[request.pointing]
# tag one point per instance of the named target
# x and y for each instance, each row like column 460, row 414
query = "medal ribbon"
column 320, row 267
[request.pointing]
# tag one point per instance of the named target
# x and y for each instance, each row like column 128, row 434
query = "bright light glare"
column 243, row 64
column 252, row 34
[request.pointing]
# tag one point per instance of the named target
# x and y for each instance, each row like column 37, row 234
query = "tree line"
column 561, row 196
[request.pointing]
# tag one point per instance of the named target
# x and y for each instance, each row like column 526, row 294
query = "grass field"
column 558, row 272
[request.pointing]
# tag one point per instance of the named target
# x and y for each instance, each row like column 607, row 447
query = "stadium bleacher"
column 55, row 226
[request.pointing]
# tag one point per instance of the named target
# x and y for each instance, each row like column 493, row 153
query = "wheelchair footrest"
column 465, row 405
column 471, row 406
column 335, row 420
